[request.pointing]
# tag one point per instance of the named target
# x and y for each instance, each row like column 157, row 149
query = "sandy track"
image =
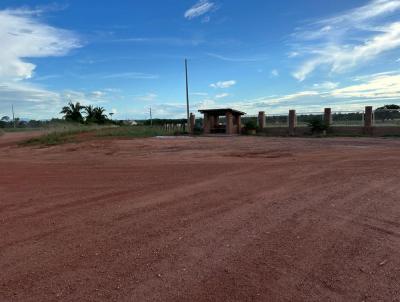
column 202, row 219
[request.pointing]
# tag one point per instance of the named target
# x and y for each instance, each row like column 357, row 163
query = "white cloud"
column 147, row 97
column 222, row 95
column 162, row 40
column 290, row 97
column 199, row 93
column 326, row 85
column 98, row 94
column 83, row 97
column 35, row 102
column 223, row 84
column 293, row 54
column 375, row 90
column 237, row 59
column 274, row 73
column 350, row 39
column 378, row 87
column 22, row 36
column 205, row 104
column 200, row 8
column 371, row 10
column 131, row 75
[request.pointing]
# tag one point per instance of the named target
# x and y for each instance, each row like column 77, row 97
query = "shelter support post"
column 206, row 124
column 229, row 123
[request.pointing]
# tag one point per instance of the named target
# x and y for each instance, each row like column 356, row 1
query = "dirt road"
column 201, row 219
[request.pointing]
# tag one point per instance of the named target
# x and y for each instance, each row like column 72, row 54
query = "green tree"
column 90, row 113
column 389, row 107
column 72, row 112
column 387, row 112
column 99, row 115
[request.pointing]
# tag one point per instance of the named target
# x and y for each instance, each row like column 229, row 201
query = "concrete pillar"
column 229, row 123
column 328, row 116
column 211, row 121
column 292, row 122
column 368, row 117
column 192, row 123
column 216, row 121
column 239, row 124
column 206, row 124
column 261, row 120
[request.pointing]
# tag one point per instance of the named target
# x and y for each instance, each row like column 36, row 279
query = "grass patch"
column 54, row 138
column 69, row 135
column 134, row 131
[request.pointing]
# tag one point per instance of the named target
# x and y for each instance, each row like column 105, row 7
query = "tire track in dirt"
column 275, row 229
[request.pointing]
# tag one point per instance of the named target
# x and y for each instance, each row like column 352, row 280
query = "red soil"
column 201, row 219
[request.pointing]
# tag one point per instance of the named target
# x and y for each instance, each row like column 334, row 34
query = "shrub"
column 317, row 126
column 251, row 125
column 198, row 129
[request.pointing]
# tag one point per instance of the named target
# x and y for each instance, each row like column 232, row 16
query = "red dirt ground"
column 201, row 219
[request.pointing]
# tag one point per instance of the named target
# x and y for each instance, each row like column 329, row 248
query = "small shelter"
column 232, row 125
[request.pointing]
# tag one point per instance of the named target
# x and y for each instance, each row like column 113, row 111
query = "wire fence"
column 249, row 119
column 348, row 118
column 273, row 120
column 303, row 119
column 355, row 118
column 277, row 120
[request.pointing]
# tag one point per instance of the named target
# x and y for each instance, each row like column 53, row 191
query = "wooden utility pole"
column 151, row 118
column 187, row 93
column 12, row 109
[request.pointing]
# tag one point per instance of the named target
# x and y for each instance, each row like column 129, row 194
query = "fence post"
column 368, row 117
column 328, row 116
column 261, row 119
column 292, row 122
column 368, row 120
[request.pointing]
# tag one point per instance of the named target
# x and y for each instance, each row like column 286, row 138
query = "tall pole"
column 151, row 118
column 12, row 109
column 187, row 94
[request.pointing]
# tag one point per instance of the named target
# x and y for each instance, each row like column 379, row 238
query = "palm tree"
column 99, row 115
column 90, row 114
column 72, row 112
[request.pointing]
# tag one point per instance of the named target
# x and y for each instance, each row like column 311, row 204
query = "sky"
column 254, row 55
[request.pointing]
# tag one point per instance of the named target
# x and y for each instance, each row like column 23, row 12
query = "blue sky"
column 251, row 55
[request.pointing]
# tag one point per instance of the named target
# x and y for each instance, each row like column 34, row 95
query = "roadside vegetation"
column 53, row 138
column 135, row 131
column 81, row 123
column 88, row 133
column 317, row 126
